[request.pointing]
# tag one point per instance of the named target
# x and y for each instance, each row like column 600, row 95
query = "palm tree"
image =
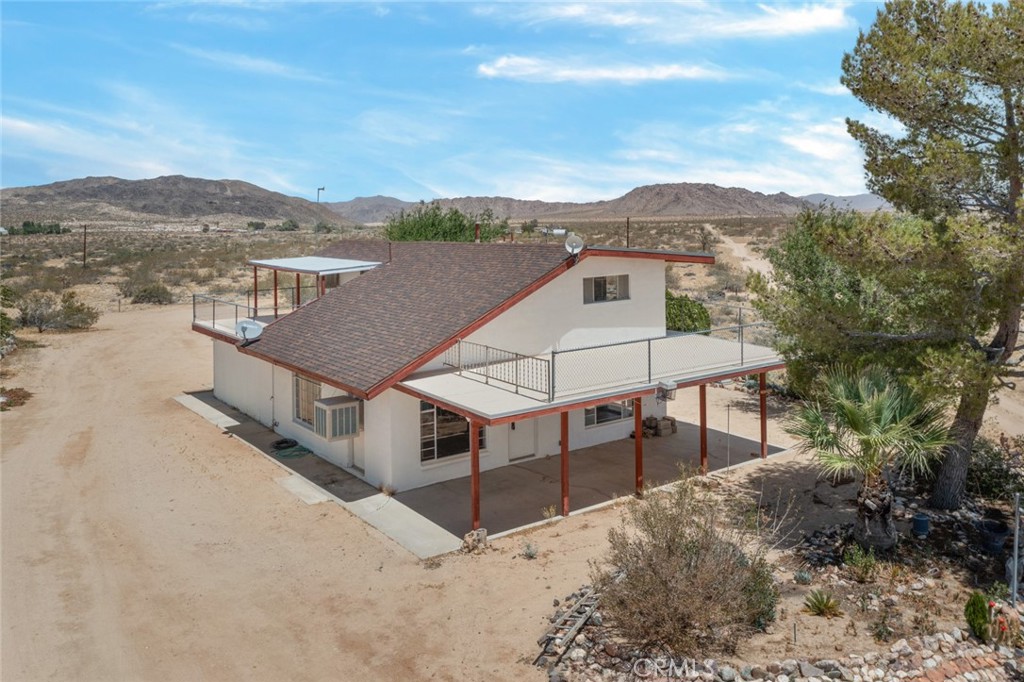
column 868, row 424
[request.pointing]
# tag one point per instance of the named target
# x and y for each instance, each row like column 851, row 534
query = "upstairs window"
column 609, row 288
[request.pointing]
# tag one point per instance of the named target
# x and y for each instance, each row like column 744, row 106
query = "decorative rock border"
column 952, row 657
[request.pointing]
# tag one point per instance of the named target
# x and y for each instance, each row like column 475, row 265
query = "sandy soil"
column 139, row 543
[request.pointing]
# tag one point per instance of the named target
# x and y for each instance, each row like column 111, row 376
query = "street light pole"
column 318, row 190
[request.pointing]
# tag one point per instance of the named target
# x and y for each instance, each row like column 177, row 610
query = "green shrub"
column 822, row 603
column 429, row 222
column 153, row 293
column 684, row 314
column 679, row 580
column 257, row 225
column 976, row 614
column 862, row 563
column 289, row 225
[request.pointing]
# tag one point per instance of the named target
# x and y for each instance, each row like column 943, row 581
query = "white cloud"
column 243, row 62
column 539, row 70
column 831, row 89
column 680, row 22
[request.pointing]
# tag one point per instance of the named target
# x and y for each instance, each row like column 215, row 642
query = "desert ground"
column 140, row 543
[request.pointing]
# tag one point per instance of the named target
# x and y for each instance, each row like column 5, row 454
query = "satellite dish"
column 574, row 244
column 249, row 330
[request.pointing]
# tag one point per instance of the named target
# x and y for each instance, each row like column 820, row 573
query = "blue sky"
column 552, row 101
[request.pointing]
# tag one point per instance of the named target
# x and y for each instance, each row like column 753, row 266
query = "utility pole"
column 627, row 232
column 85, row 244
column 318, row 190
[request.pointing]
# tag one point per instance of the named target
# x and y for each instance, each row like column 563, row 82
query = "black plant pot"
column 993, row 535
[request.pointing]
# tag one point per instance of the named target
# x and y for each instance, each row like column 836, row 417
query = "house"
column 411, row 363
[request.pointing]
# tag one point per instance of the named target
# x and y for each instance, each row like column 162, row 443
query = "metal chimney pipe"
column 477, row 233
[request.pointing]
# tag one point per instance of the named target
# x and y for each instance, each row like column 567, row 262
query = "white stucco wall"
column 243, row 382
column 264, row 392
column 555, row 315
column 388, row 448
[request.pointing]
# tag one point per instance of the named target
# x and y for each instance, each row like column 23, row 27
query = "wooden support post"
column 565, row 463
column 763, row 395
column 255, row 291
column 298, row 291
column 704, row 428
column 275, row 294
column 474, row 467
column 638, row 443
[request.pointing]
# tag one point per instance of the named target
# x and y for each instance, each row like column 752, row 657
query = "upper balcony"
column 500, row 382
column 265, row 303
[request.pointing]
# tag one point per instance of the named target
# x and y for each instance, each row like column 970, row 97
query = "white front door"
column 522, row 439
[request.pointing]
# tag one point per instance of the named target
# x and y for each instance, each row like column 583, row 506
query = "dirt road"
column 141, row 544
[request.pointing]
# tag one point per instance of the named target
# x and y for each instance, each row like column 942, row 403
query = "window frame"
column 618, row 285
column 429, row 434
column 301, row 401
column 591, row 414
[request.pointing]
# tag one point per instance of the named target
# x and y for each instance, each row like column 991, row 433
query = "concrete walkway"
column 431, row 520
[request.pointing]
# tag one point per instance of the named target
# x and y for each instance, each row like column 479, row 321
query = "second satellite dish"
column 573, row 244
column 249, row 330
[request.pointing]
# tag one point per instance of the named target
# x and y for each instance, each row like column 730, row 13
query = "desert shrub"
column 153, row 293
column 728, row 278
column 684, row 314
column 257, row 225
column 289, row 225
column 997, row 469
column 13, row 397
column 678, row 581
column 822, row 603
column 45, row 310
column 39, row 309
column 323, row 227
column 887, row 627
column 76, row 314
column 976, row 615
column 529, row 551
column 861, row 563
column 802, row 577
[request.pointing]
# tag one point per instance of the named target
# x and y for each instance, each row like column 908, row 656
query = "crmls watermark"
column 664, row 667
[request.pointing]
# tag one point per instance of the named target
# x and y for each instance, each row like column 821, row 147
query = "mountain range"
column 177, row 198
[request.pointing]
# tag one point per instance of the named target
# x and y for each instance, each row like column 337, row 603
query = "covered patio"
column 520, row 494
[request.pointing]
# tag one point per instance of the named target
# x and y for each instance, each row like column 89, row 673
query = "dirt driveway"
column 141, row 544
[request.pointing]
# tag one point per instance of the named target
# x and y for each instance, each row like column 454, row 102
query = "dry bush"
column 680, row 580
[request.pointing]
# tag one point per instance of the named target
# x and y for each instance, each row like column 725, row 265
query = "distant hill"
column 172, row 198
column 678, row 199
column 867, row 203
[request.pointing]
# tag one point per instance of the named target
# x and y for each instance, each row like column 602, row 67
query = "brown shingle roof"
column 370, row 331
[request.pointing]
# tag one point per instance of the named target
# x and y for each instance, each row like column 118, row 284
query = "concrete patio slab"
column 431, row 520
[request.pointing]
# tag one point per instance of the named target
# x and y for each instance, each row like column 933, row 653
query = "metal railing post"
column 487, row 364
column 551, row 379
column 649, row 361
column 517, row 361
